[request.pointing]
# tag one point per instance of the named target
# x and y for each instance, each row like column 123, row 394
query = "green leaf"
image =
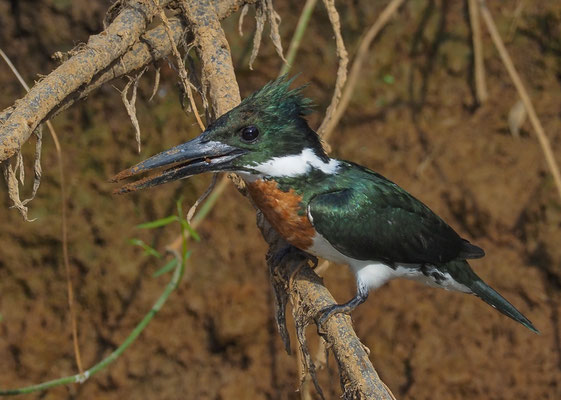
column 159, row 222
column 389, row 79
column 1, row 317
column 179, row 207
column 185, row 225
column 166, row 268
column 149, row 250
column 187, row 255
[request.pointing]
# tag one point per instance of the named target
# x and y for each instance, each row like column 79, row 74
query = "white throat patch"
column 297, row 164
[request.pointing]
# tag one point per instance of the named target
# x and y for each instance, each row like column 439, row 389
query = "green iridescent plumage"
column 360, row 217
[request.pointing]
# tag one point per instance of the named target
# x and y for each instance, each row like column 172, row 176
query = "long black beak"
column 191, row 158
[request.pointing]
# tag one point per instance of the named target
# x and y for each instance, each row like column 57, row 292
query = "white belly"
column 373, row 274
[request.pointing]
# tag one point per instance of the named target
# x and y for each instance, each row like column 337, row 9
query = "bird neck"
column 292, row 166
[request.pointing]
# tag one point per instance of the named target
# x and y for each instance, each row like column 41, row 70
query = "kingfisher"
column 330, row 208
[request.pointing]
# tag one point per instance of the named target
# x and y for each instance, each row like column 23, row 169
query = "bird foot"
column 328, row 312
column 346, row 308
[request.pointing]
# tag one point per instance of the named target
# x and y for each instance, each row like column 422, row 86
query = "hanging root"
column 13, row 187
column 130, row 105
column 264, row 11
column 13, row 174
column 186, row 84
column 156, row 83
column 37, row 170
column 243, row 13
column 307, row 368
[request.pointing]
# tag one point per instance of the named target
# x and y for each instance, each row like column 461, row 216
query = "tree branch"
column 359, row 376
column 118, row 51
column 123, row 47
column 97, row 54
column 310, row 296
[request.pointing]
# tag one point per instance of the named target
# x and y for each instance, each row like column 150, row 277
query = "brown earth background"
column 413, row 118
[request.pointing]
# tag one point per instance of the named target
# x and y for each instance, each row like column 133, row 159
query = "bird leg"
column 346, row 308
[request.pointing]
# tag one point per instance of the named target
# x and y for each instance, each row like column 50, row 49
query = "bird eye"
column 250, row 133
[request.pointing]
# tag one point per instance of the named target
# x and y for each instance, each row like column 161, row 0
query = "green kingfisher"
column 330, row 208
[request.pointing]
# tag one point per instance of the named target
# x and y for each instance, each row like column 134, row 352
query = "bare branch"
column 213, row 48
column 98, row 54
column 312, row 297
column 218, row 73
column 111, row 54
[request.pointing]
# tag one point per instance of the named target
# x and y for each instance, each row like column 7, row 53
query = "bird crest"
column 276, row 97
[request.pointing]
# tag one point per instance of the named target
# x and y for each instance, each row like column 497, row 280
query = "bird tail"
column 462, row 272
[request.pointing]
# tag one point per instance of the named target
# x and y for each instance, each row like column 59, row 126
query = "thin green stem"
column 81, row 378
column 180, row 269
column 298, row 35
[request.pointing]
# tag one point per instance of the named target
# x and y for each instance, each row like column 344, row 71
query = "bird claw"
column 328, row 312
column 346, row 308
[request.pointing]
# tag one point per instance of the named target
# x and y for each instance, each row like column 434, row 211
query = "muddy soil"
column 413, row 118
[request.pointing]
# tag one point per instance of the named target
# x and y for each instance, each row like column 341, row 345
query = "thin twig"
column 70, row 291
column 479, row 66
column 203, row 211
column 202, row 198
column 536, row 124
column 360, row 57
column 343, row 57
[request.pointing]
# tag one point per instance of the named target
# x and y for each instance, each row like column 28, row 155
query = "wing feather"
column 377, row 220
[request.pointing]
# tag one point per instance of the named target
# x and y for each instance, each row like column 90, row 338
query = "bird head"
column 265, row 135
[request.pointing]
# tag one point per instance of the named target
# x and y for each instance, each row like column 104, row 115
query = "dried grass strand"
column 343, row 58
column 14, row 196
column 534, row 120
column 264, row 11
column 479, row 66
column 202, row 198
column 359, row 59
column 274, row 20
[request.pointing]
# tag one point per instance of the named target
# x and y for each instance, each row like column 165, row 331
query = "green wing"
column 374, row 219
